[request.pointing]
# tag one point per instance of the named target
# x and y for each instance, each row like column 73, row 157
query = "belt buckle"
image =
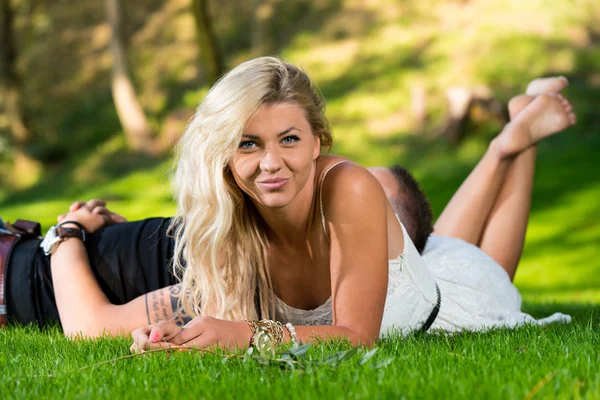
column 5, row 231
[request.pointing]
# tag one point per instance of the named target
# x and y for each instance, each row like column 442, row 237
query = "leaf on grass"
column 299, row 351
column 334, row 358
column 226, row 358
column 382, row 363
column 367, row 356
column 284, row 356
column 349, row 354
column 341, row 356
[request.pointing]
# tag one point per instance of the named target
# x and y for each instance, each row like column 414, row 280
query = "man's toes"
column 566, row 104
column 572, row 118
column 547, row 85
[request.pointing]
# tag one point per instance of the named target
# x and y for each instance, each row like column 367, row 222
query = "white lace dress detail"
column 319, row 316
column 476, row 292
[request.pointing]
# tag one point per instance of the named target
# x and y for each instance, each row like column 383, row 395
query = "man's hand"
column 199, row 333
column 81, row 209
column 90, row 221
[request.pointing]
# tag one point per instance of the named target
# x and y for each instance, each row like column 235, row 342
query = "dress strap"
column 321, row 195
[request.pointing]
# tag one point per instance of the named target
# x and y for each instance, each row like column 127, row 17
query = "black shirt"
column 128, row 260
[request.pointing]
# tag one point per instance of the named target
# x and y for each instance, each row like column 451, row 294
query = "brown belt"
column 8, row 239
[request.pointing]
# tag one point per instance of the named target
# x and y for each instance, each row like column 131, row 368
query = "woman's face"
column 276, row 156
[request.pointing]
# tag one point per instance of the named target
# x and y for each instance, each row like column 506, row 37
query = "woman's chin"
column 275, row 200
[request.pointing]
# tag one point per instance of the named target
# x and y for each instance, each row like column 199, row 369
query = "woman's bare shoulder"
column 326, row 161
column 348, row 187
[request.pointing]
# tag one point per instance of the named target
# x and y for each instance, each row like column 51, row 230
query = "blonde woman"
column 270, row 229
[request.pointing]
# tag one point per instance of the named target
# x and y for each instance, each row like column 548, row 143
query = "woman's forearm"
column 307, row 334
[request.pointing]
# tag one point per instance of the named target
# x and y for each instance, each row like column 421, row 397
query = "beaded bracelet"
column 292, row 331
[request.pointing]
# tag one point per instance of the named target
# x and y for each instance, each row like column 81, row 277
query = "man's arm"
column 83, row 307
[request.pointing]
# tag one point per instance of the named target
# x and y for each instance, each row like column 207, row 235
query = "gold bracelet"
column 266, row 334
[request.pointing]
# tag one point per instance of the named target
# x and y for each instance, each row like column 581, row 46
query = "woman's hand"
column 92, row 215
column 199, row 333
column 155, row 336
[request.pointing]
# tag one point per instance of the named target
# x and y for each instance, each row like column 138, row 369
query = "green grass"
column 557, row 361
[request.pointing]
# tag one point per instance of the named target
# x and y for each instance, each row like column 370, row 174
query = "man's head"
column 408, row 201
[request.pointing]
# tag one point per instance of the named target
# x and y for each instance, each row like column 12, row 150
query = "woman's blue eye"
column 290, row 139
column 246, row 144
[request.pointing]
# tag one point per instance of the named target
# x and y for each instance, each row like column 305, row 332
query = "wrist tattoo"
column 165, row 304
column 147, row 310
column 180, row 317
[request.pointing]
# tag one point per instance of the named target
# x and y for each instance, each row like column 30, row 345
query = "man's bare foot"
column 537, row 86
column 547, row 114
column 547, row 85
column 517, row 104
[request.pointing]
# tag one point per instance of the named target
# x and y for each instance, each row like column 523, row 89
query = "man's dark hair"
column 412, row 207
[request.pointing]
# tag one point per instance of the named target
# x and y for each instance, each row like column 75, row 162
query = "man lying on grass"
column 463, row 280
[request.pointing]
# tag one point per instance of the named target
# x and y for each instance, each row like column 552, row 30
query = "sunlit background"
column 94, row 94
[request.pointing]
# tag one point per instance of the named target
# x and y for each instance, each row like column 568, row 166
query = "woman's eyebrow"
column 288, row 130
column 256, row 137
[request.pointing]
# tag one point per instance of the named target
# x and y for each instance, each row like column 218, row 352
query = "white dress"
column 476, row 292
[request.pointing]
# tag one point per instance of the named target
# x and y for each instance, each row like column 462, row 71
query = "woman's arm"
column 355, row 209
column 356, row 213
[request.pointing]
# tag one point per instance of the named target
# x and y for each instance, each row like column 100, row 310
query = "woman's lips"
column 273, row 184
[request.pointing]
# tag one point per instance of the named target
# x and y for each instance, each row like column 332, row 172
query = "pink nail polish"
column 154, row 337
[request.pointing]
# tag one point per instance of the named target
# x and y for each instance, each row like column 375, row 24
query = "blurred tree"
column 11, row 87
column 131, row 115
column 261, row 14
column 11, row 82
column 466, row 104
column 210, row 56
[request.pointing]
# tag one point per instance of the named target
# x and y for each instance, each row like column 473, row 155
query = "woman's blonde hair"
column 220, row 243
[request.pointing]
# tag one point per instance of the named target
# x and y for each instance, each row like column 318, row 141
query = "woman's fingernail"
column 154, row 337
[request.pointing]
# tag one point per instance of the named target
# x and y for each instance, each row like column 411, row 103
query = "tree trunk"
column 256, row 42
column 418, row 106
column 130, row 112
column 262, row 12
column 459, row 103
column 210, row 57
column 10, row 80
column 476, row 105
column 24, row 165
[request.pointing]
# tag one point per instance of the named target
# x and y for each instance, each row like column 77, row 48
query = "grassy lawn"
column 558, row 361
column 366, row 58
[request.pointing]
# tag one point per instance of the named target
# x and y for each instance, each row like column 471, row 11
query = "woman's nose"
column 271, row 161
